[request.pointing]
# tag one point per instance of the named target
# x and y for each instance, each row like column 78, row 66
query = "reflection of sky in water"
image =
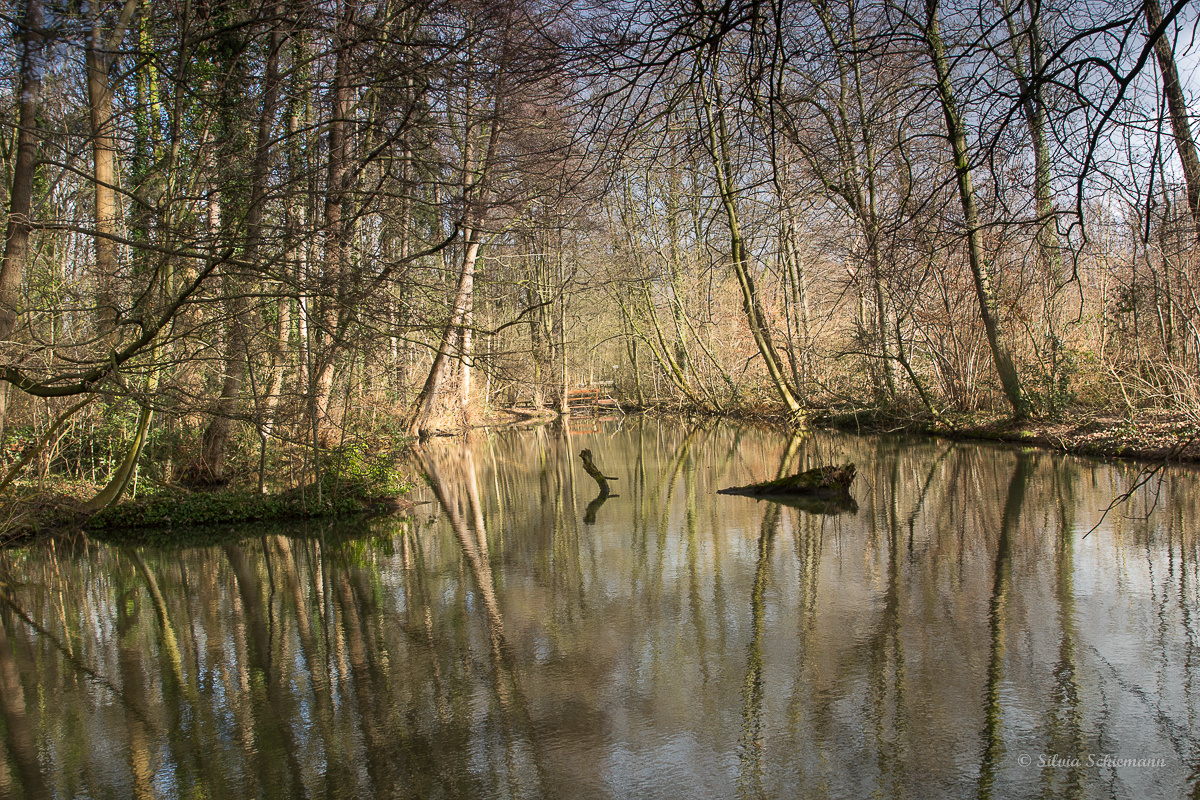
column 685, row 644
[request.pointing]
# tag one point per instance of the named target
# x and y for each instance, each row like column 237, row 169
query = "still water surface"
column 955, row 637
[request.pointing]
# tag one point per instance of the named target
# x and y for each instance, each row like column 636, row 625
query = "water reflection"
column 955, row 637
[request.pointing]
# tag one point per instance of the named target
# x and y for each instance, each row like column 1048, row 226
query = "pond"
column 979, row 626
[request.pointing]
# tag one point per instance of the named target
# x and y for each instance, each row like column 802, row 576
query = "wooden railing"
column 584, row 395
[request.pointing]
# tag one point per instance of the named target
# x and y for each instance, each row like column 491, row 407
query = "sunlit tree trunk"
column 717, row 140
column 336, row 262
column 1185, row 143
column 667, row 351
column 869, row 211
column 1033, row 108
column 426, row 405
column 468, row 318
column 844, row 157
column 299, row 214
column 98, row 57
column 479, row 129
column 797, row 278
column 537, row 324
column 279, row 353
column 119, row 481
column 560, row 339
column 675, row 264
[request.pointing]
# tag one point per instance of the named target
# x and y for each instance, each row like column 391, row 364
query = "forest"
column 244, row 235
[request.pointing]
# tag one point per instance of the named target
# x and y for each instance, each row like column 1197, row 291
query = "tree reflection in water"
column 682, row 644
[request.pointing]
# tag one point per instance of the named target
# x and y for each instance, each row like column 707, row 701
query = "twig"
column 1143, row 478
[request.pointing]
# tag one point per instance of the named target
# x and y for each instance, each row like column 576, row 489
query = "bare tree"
column 989, row 309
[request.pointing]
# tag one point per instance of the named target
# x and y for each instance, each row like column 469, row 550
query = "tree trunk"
column 537, row 347
column 477, row 163
column 220, row 428
column 117, row 484
column 16, row 241
column 796, row 279
column 1185, row 144
column 464, row 378
column 336, row 233
column 1049, row 247
column 869, row 211
column 104, row 164
column 99, row 62
column 589, row 466
column 718, row 146
column 278, row 364
column 667, row 352
column 424, row 408
column 559, row 336
column 985, row 294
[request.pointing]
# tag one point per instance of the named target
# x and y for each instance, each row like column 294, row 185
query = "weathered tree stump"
column 602, row 480
column 590, row 468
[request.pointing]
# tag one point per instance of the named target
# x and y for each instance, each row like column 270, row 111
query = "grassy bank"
column 356, row 481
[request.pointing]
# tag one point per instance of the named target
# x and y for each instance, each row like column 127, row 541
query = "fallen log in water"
column 816, row 482
column 822, row 490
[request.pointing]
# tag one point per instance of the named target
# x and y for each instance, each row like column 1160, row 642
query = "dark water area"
column 957, row 636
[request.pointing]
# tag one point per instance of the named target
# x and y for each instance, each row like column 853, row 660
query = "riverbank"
column 1152, row 436
column 176, row 514
column 358, row 481
column 1149, row 435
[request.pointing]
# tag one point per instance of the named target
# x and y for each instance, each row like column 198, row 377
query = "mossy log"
column 817, row 482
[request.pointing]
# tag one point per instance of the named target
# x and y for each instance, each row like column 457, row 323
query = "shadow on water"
column 518, row 640
column 993, row 731
column 20, row 736
column 750, row 748
column 452, row 475
column 816, row 505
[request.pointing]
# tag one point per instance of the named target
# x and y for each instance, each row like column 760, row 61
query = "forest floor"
column 1155, row 436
